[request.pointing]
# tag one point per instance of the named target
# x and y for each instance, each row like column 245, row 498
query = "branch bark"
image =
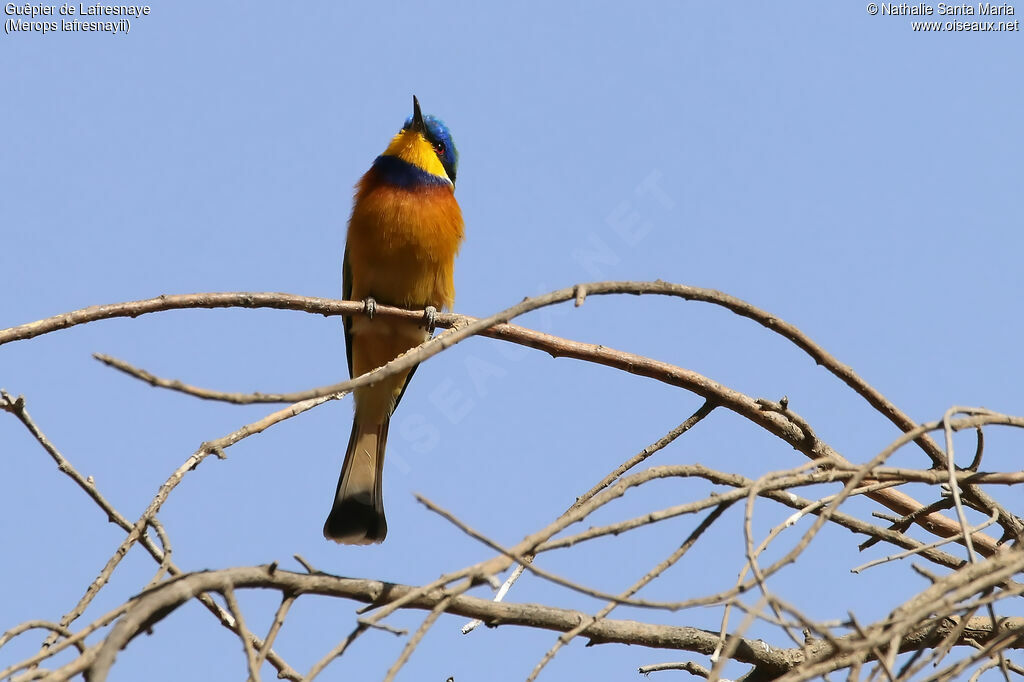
column 161, row 601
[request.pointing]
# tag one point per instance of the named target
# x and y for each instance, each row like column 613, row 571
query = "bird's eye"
column 439, row 148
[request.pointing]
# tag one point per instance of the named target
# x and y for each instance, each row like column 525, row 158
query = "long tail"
column 357, row 517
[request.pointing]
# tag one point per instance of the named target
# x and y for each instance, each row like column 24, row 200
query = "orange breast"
column 402, row 244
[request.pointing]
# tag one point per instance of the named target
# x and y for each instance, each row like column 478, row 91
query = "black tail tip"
column 356, row 521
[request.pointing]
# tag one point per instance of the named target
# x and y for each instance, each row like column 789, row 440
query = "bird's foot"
column 369, row 307
column 430, row 318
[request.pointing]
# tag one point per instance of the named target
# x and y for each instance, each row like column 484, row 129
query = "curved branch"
column 773, row 417
column 782, row 422
column 159, row 602
column 577, row 293
column 160, row 553
column 461, row 327
column 210, row 394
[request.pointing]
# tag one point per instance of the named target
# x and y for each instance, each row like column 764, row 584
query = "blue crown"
column 437, row 134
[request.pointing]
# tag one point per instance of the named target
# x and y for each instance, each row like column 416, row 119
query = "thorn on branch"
column 782, row 407
column 489, row 578
column 1007, row 536
column 13, row 405
column 580, row 295
column 924, row 572
column 398, row 632
column 306, row 565
column 901, row 524
column 976, row 462
column 212, row 449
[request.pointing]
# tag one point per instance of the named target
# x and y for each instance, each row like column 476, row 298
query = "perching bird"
column 403, row 235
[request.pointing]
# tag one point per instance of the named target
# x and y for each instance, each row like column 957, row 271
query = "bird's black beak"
column 417, row 117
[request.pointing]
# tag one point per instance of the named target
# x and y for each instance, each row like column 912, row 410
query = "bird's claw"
column 369, row 307
column 430, row 318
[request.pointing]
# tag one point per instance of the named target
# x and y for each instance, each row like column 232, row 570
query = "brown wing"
column 346, row 294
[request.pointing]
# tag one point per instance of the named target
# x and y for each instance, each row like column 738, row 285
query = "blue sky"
column 850, row 175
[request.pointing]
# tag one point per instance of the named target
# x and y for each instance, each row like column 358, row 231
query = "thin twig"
column 782, row 423
column 208, row 394
column 953, row 483
column 55, row 628
column 417, row 637
column 703, row 411
column 686, row 666
column 160, row 554
column 282, row 611
column 336, row 652
column 650, row 576
column 164, row 599
column 243, row 633
column 916, row 550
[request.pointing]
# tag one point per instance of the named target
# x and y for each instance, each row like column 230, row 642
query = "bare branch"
column 286, row 603
column 686, row 666
column 691, row 421
column 55, row 628
column 208, row 394
column 150, row 608
column 650, row 576
column 781, row 423
column 417, row 637
column 243, row 632
column 940, row 617
column 336, row 652
column 160, row 554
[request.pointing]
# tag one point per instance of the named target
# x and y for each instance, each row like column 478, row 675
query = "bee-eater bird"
column 403, row 235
